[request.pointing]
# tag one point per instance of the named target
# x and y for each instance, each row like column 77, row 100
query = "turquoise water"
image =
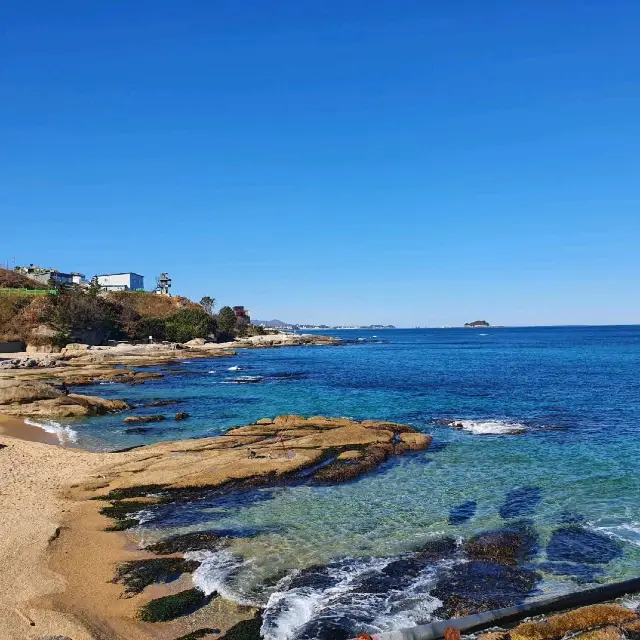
column 551, row 431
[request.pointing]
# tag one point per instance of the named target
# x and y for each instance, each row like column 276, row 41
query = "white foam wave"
column 244, row 380
column 212, row 372
column 64, row 433
column 214, row 573
column 234, row 368
column 490, row 427
column 288, row 609
column 626, row 532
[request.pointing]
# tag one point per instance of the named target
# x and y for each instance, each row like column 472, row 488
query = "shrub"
column 187, row 324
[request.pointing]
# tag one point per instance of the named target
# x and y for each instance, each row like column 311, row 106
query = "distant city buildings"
column 127, row 281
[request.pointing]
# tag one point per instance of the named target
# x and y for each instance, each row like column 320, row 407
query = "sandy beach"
column 58, row 562
column 32, row 475
column 59, row 558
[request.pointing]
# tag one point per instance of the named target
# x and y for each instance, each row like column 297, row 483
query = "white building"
column 45, row 276
column 121, row 281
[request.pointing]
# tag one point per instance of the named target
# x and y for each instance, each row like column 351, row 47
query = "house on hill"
column 45, row 276
column 121, row 281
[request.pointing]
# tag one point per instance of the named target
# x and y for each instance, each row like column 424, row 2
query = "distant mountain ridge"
column 273, row 324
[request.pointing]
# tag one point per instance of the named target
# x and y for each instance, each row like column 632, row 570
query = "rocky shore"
column 71, row 504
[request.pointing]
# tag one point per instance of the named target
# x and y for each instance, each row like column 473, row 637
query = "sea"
column 546, row 438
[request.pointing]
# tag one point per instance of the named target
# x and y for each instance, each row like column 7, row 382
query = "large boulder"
column 32, row 398
column 196, row 342
column 24, row 392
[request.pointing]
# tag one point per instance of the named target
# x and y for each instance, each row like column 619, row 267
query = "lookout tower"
column 163, row 284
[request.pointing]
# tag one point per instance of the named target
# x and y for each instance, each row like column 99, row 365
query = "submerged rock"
column 478, row 586
column 183, row 415
column 162, row 403
column 144, row 419
column 577, row 544
column 462, row 512
column 506, row 546
column 520, row 502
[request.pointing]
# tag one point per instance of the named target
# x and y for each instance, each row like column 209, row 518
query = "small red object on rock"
column 451, row 634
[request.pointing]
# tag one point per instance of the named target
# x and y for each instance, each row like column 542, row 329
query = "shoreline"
column 64, row 539
column 17, row 428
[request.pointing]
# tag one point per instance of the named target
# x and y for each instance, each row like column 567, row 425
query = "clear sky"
column 420, row 162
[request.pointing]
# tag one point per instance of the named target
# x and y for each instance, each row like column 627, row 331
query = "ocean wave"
column 489, row 427
column 215, row 573
column 64, row 433
column 345, row 595
column 244, row 380
column 626, row 532
column 234, row 368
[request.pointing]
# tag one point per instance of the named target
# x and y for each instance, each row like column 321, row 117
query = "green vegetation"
column 69, row 313
column 208, row 304
column 174, row 606
column 226, row 324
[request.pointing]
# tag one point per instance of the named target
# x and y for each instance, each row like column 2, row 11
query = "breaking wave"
column 490, row 427
column 244, row 380
column 216, row 572
column 64, row 433
column 348, row 596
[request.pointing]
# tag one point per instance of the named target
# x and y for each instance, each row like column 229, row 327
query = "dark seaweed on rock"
column 136, row 575
column 511, row 545
column 245, row 630
column 345, row 470
column 474, row 586
column 120, row 510
column 199, row 633
column 123, row 525
column 162, row 403
column 186, row 542
column 174, row 606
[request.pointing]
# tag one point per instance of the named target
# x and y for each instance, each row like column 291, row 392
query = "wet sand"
column 18, row 428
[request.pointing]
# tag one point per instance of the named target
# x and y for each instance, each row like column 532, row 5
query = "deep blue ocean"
column 550, row 438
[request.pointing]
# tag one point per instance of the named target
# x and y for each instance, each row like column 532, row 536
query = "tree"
column 208, row 304
column 226, row 323
column 187, row 324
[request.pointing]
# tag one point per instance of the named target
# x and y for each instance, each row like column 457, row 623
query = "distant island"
column 477, row 323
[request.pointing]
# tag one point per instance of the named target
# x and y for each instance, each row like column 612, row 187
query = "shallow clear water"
column 553, row 413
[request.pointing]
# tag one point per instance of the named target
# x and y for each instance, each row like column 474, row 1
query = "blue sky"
column 410, row 162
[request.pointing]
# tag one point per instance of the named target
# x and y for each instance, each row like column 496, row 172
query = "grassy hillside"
column 81, row 315
column 14, row 280
column 151, row 305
